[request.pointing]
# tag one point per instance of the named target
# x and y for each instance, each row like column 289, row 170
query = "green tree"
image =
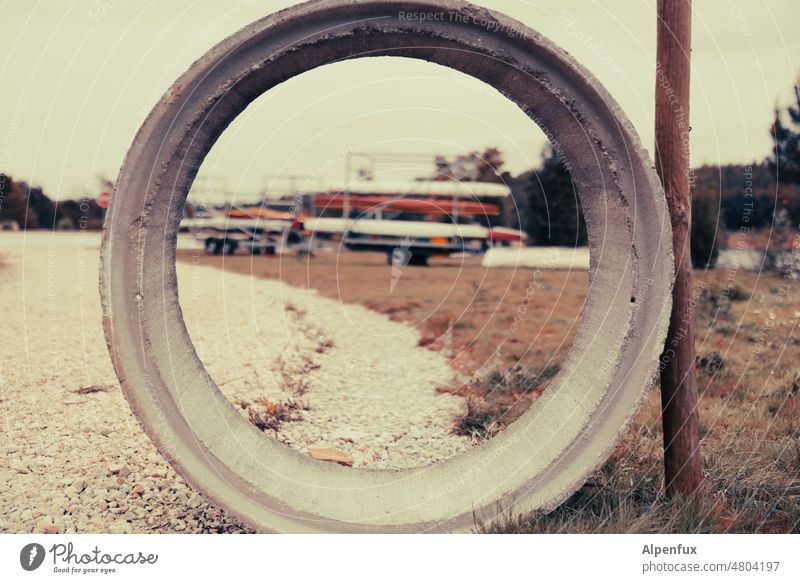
column 14, row 203
column 553, row 215
column 31, row 208
column 785, row 130
column 485, row 166
column 705, row 222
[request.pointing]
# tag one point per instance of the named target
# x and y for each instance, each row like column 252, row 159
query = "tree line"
column 30, row 208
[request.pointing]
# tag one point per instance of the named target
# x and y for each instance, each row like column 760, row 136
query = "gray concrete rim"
column 542, row 457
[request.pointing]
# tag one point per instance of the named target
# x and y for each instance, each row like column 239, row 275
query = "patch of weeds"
column 737, row 294
column 785, row 399
column 518, row 379
column 294, row 379
column 91, row 389
column 794, row 388
column 307, row 364
column 481, row 420
column 711, row 364
column 725, row 331
column 292, row 309
column 499, row 398
column 716, row 303
column 324, row 346
column 267, row 416
column 712, row 304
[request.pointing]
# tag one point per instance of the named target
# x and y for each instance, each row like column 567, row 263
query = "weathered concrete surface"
column 542, row 457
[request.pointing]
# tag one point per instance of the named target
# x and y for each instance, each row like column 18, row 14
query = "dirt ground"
column 483, row 318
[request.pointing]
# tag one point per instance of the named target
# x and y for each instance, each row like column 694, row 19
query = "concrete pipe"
column 541, row 458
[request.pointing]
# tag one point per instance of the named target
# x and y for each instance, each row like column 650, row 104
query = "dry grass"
column 743, row 492
column 749, row 401
column 497, row 399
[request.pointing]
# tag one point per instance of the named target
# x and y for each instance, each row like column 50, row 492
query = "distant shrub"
column 554, row 212
column 711, row 364
column 705, row 224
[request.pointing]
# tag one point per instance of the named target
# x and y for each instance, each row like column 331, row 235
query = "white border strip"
column 373, row 558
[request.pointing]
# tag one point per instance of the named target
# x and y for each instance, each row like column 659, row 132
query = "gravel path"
column 72, row 456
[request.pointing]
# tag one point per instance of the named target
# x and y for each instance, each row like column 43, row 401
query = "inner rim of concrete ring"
column 541, row 458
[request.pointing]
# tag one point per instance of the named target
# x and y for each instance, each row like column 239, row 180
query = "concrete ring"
column 541, row 458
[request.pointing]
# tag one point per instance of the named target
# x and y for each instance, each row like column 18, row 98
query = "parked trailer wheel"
column 544, row 455
column 230, row 246
column 213, row 245
column 419, row 259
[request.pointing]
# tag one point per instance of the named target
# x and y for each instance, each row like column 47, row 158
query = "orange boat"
column 427, row 206
column 257, row 212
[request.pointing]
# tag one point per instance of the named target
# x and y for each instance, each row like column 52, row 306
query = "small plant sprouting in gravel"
column 496, row 400
column 324, row 346
column 92, row 389
column 481, row 420
column 291, row 308
column 270, row 416
column 294, row 378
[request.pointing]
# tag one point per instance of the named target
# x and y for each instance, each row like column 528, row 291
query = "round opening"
column 358, row 350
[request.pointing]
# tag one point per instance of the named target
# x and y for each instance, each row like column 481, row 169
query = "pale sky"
column 77, row 78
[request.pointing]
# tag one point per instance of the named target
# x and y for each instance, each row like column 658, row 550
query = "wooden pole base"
column 682, row 474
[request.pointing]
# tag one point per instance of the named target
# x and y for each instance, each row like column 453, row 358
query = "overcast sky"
column 77, row 78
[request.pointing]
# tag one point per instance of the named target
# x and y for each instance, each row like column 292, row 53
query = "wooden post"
column 678, row 383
